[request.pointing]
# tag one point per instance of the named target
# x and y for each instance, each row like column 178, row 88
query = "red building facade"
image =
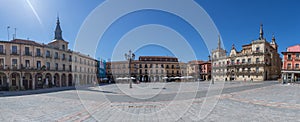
column 291, row 62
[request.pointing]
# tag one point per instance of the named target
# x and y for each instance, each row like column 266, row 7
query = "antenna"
column 8, row 33
column 15, row 35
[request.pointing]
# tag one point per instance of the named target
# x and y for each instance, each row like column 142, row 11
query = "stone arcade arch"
column 64, row 80
column 3, row 82
column 56, row 80
column 70, row 80
column 27, row 81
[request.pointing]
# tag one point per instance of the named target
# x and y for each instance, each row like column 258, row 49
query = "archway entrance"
column 39, row 81
column 3, row 82
column 15, row 81
column 27, row 81
column 70, row 79
column 48, row 80
column 56, row 80
column 64, row 80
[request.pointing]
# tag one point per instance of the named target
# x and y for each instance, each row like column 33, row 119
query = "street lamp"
column 130, row 56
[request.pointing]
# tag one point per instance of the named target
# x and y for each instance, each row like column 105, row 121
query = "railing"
column 39, row 55
column 27, row 53
column 242, row 64
column 14, row 53
column 56, row 58
column 48, row 56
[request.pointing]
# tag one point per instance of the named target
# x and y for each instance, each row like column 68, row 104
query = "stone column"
column 33, row 82
column 60, row 81
column 8, row 82
column 21, row 81
column 52, row 81
column 67, row 80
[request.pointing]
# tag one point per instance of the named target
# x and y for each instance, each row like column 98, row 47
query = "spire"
column 233, row 47
column 261, row 32
column 58, row 32
column 273, row 39
column 219, row 42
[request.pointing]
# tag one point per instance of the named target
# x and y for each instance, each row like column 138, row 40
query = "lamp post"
column 130, row 56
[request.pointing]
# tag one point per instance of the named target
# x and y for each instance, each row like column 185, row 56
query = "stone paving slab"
column 238, row 102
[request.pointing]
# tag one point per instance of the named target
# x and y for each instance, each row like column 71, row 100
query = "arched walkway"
column 70, row 80
column 39, row 81
column 56, row 80
column 48, row 80
column 27, row 81
column 64, row 80
column 3, row 82
column 15, row 81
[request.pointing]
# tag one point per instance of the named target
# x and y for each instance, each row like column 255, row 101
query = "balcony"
column 245, row 73
column 14, row 53
column 56, row 58
column 27, row 53
column 48, row 56
column 39, row 55
column 63, row 58
column 14, row 67
column 2, row 52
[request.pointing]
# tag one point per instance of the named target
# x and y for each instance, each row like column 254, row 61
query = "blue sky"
column 237, row 21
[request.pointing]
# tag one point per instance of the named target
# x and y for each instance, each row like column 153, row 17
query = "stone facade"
column 26, row 64
column 147, row 69
column 199, row 70
column 257, row 61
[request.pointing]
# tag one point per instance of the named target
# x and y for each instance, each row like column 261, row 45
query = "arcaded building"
column 148, row 69
column 26, row 64
column 257, row 61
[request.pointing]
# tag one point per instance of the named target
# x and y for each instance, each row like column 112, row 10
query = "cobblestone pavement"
column 192, row 101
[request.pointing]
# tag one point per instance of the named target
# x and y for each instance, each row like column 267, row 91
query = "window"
column 56, row 66
column 47, row 53
column 63, row 56
column 257, row 69
column 1, row 49
column 27, row 63
column 14, row 62
column 27, row 51
column 48, row 65
column 257, row 49
column 14, row 49
column 38, row 52
column 75, row 68
column 297, row 66
column 38, row 64
column 75, row 59
column 289, row 57
column 243, row 61
column 289, row 66
column 1, row 62
column 257, row 60
column 249, row 60
column 64, row 67
column 56, row 55
column 70, row 58
column 297, row 55
column 63, row 47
